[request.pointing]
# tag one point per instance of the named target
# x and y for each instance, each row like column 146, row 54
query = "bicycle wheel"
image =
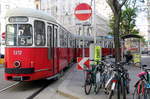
column 127, row 83
column 88, row 84
column 147, row 94
column 135, row 94
column 98, row 83
column 110, row 94
column 118, row 89
column 123, row 88
column 104, row 79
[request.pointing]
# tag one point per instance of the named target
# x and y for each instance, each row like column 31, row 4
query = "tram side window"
column 105, row 44
column 63, row 39
column 55, row 37
column 76, row 43
column 49, row 34
column 71, row 41
column 101, row 43
column 110, row 45
column 39, row 27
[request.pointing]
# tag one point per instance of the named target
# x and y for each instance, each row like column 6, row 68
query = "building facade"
column 63, row 11
column 148, row 18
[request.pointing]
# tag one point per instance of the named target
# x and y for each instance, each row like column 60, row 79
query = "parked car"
column 148, row 52
column 145, row 52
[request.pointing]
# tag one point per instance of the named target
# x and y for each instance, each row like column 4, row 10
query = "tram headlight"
column 17, row 64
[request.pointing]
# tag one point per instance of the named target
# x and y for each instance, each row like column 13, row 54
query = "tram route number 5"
column 22, row 40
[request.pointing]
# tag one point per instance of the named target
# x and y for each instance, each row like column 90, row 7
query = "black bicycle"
column 118, row 82
column 95, row 77
column 142, row 86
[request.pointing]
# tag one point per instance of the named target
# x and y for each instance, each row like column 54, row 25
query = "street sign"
column 83, row 63
column 3, row 35
column 83, row 11
column 98, row 54
column 95, row 53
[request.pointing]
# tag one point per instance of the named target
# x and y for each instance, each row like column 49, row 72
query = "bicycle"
column 94, row 77
column 142, row 86
column 119, row 81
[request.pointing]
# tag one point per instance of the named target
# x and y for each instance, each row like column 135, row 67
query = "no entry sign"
column 83, row 11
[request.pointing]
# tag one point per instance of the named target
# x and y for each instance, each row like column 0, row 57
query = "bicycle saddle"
column 141, row 74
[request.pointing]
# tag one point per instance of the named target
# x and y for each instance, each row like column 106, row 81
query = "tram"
column 37, row 46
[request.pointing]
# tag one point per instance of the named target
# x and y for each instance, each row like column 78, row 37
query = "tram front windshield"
column 19, row 35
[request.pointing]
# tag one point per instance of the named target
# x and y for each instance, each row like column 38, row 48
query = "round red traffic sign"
column 83, row 11
column 3, row 35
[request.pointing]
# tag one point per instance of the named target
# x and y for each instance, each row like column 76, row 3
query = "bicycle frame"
column 109, row 82
column 140, row 85
column 119, row 81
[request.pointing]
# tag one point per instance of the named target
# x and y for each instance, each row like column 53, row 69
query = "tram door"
column 55, row 50
column 50, row 44
column 52, row 47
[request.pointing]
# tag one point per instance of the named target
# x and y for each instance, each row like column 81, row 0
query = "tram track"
column 49, row 82
column 38, row 91
column 8, row 87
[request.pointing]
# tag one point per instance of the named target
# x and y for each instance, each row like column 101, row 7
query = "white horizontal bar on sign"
column 83, row 12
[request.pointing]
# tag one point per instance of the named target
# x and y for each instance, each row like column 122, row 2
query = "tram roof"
column 29, row 13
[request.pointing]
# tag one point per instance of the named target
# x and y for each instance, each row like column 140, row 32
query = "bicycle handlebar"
column 144, row 68
column 98, row 61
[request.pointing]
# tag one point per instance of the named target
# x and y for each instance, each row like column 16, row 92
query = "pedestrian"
column 128, row 57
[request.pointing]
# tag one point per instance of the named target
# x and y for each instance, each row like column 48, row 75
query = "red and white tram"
column 37, row 46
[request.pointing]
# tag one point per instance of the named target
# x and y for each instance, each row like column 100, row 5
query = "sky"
column 142, row 22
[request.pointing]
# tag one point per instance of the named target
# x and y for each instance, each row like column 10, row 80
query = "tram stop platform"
column 72, row 86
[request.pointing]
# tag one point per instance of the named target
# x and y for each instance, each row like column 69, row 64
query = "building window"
column 7, row 6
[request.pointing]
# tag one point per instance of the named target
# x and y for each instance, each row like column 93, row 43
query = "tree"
column 127, row 21
column 116, row 6
column 127, row 24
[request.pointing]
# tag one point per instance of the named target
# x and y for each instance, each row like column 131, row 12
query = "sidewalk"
column 72, row 86
column 1, row 65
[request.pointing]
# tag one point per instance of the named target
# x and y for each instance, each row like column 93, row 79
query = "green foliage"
column 127, row 21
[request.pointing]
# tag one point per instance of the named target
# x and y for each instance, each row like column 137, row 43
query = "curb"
column 67, row 95
column 2, row 66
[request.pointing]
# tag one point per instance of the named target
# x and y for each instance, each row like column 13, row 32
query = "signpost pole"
column 94, row 14
column 83, row 12
column 83, row 50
